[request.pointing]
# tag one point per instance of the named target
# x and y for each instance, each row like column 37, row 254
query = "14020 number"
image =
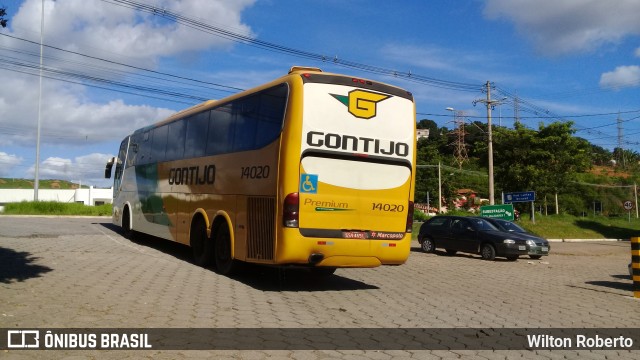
column 255, row 172
column 388, row 207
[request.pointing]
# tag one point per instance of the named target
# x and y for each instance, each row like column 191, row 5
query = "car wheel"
column 535, row 257
column 512, row 258
column 451, row 252
column 488, row 252
column 428, row 245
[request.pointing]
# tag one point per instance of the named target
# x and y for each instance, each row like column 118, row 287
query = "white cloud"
column 622, row 76
column 566, row 26
column 88, row 168
column 8, row 162
column 69, row 114
column 67, row 118
column 76, row 25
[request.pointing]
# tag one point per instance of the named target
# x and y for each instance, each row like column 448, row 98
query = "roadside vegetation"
column 55, row 208
column 590, row 183
column 550, row 160
column 566, row 226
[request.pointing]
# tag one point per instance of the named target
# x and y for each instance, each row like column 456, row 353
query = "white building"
column 422, row 133
column 91, row 196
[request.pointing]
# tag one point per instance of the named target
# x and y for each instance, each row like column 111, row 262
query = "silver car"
column 536, row 246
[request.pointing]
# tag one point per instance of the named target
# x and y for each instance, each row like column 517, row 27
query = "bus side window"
column 221, row 128
column 196, row 139
column 159, row 144
column 245, row 114
column 175, row 140
column 144, row 149
column 273, row 103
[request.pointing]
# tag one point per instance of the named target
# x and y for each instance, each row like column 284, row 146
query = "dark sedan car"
column 473, row 235
column 536, row 246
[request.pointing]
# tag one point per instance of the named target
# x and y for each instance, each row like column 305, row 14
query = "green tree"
column 430, row 151
column 545, row 161
column 600, row 155
column 3, row 21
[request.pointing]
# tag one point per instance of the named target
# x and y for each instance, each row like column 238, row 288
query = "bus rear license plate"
column 354, row 235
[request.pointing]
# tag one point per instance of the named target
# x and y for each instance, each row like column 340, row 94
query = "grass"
column 574, row 227
column 55, row 208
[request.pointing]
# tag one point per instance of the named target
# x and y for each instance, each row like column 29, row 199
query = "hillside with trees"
column 550, row 160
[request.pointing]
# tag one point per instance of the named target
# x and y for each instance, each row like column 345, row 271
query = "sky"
column 112, row 66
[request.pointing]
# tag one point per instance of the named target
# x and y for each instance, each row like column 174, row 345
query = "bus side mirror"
column 107, row 170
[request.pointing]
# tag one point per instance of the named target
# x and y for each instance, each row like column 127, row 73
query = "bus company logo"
column 361, row 103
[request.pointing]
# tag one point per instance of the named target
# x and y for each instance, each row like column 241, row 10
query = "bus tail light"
column 290, row 210
column 410, row 217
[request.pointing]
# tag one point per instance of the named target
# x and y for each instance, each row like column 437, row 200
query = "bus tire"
column 225, row 264
column 127, row 230
column 200, row 244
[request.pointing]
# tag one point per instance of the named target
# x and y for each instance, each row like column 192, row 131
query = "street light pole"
column 36, row 180
column 439, row 184
column 439, row 189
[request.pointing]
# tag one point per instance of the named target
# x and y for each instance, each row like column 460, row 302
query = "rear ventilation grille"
column 260, row 230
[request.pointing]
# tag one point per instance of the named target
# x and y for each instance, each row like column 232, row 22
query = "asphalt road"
column 80, row 273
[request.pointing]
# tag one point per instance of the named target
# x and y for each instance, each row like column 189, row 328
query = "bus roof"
column 295, row 70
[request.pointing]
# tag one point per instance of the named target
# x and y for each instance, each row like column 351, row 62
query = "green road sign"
column 504, row 212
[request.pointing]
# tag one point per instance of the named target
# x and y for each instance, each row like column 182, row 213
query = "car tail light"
column 410, row 217
column 290, row 210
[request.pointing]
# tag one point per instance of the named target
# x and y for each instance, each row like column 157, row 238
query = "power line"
column 129, row 66
column 265, row 45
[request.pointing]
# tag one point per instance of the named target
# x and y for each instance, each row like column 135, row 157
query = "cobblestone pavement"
column 81, row 273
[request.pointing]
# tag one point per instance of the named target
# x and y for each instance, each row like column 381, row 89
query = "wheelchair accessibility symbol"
column 309, row 183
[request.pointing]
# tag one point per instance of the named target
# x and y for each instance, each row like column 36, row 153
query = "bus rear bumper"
column 338, row 252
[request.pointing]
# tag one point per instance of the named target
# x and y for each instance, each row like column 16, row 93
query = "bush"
column 418, row 215
column 56, row 208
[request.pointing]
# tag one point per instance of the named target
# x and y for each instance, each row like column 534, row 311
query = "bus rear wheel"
column 200, row 243
column 127, row 230
column 225, row 264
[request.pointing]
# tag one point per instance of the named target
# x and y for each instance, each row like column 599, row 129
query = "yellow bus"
column 313, row 169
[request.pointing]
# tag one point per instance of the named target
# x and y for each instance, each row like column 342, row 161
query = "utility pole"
column 490, row 104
